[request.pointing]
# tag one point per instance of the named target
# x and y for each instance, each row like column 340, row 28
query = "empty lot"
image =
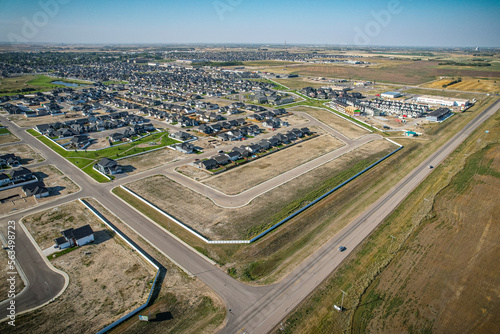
column 107, row 279
column 140, row 163
column 329, row 118
column 25, row 152
column 251, row 174
column 202, row 214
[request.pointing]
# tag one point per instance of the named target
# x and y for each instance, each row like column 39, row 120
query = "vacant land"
column 299, row 83
column 8, row 138
column 34, row 121
column 5, row 274
column 251, row 174
column 55, row 181
column 467, row 84
column 142, row 162
column 184, row 304
column 395, row 71
column 107, row 279
column 27, row 84
column 444, row 93
column 329, row 118
column 25, row 152
column 215, row 222
column 193, row 172
column 443, row 279
column 415, row 215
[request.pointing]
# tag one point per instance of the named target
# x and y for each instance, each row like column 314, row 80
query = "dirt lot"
column 295, row 120
column 25, row 152
column 251, row 174
column 56, row 182
column 8, row 138
column 347, row 128
column 218, row 223
column 4, row 275
column 193, row 172
column 143, row 162
column 184, row 305
column 107, row 279
column 33, row 121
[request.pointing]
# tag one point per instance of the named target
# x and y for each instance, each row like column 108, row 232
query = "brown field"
column 193, row 172
column 107, row 279
column 394, row 71
column 191, row 305
column 4, row 275
column 329, row 118
column 468, row 84
column 33, row 121
column 445, row 279
column 25, row 152
column 369, row 260
column 299, row 83
column 251, row 174
column 55, row 181
column 140, row 163
column 8, row 138
column 202, row 214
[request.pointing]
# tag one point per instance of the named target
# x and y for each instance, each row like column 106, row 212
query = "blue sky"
column 355, row 22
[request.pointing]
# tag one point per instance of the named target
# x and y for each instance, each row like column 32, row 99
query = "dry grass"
column 468, row 84
column 4, row 275
column 25, row 152
column 215, row 222
column 193, row 172
column 140, row 163
column 9, row 138
column 251, row 174
column 345, row 127
column 107, row 279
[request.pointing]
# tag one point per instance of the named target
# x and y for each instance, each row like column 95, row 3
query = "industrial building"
column 443, row 101
column 391, row 95
column 439, row 115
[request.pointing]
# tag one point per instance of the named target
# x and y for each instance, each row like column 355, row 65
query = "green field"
column 31, row 84
column 85, row 160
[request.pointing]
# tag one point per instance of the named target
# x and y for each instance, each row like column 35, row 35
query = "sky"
column 320, row 22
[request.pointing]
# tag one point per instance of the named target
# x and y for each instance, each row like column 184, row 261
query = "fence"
column 139, row 251
column 208, row 241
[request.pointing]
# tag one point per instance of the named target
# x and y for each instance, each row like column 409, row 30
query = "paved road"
column 255, row 309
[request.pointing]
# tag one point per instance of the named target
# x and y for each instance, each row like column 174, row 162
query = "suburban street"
column 250, row 309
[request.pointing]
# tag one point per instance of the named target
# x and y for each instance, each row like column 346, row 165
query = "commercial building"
column 443, row 101
column 439, row 115
column 391, row 95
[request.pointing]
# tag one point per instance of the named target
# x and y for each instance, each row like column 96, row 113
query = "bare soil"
column 329, row 118
column 295, row 120
column 25, row 152
column 202, row 214
column 253, row 173
column 193, row 172
column 5, row 274
column 107, row 279
column 33, row 121
column 8, row 138
column 142, row 162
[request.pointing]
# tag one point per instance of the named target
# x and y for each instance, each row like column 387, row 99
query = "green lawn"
column 86, row 160
column 29, row 84
column 4, row 131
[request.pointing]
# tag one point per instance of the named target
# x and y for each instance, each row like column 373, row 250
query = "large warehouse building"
column 444, row 101
column 439, row 115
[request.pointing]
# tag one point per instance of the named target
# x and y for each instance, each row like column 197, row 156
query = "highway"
column 250, row 309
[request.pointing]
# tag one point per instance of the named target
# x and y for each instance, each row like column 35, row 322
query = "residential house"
column 108, row 166
column 75, row 237
column 36, row 189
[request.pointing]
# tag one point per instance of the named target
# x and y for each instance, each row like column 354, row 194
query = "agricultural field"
column 106, row 278
column 263, row 169
column 467, row 84
column 442, row 256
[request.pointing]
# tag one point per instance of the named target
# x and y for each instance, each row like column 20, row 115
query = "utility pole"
column 392, row 240
column 342, row 303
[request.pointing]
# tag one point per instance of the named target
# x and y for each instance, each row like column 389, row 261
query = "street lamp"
column 342, row 303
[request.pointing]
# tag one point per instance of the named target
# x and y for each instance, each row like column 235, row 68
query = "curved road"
column 252, row 309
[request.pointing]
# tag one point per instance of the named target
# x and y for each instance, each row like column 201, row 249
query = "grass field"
column 299, row 83
column 27, row 84
column 85, row 160
column 374, row 255
column 444, row 93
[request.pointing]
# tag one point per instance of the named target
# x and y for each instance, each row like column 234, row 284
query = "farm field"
column 329, row 118
column 107, row 279
column 427, row 227
column 251, row 174
column 467, row 84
